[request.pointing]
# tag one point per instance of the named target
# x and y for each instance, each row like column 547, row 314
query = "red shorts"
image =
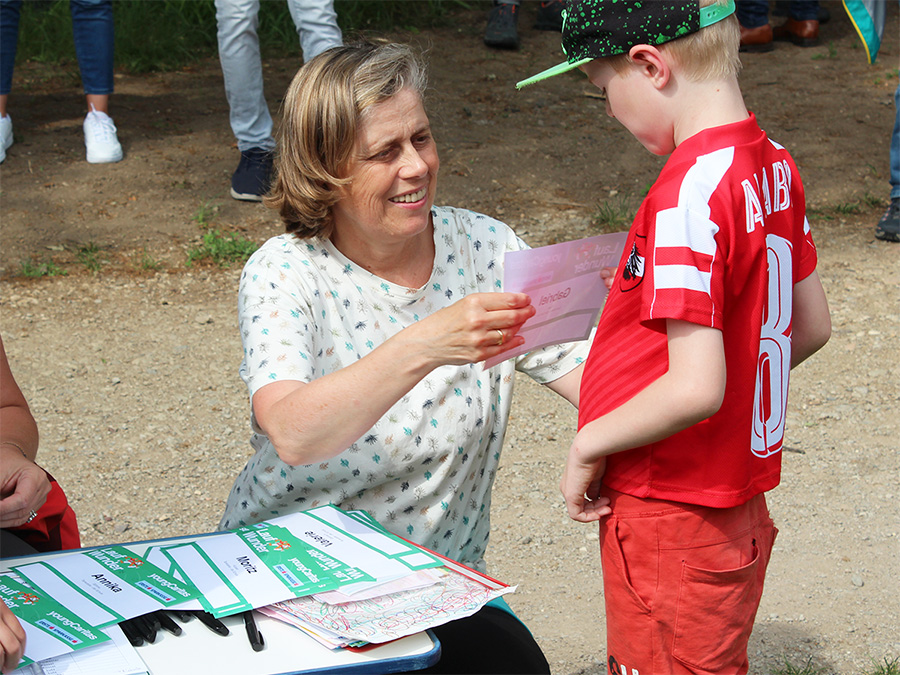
column 682, row 584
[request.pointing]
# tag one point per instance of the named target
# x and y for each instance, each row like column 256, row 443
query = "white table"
column 288, row 651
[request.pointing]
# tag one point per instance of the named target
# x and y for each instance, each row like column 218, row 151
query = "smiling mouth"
column 410, row 198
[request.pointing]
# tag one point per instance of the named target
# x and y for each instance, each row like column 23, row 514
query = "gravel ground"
column 133, row 381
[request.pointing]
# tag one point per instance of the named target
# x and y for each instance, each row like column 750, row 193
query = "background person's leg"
column 317, row 26
column 251, row 123
column 93, row 31
column 9, row 38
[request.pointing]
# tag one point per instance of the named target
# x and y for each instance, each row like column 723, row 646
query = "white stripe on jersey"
column 700, row 181
column 688, row 225
column 682, row 276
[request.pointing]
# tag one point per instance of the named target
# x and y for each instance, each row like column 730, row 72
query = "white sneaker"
column 100, row 138
column 6, row 136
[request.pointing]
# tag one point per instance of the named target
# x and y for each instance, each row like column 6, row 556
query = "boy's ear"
column 651, row 64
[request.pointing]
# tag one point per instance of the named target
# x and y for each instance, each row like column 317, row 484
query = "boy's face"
column 632, row 100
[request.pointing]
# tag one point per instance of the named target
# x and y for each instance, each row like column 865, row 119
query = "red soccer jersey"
column 720, row 241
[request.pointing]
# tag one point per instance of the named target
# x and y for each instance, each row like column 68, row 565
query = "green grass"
column 614, row 215
column 170, row 34
column 832, row 53
column 35, row 270
column 806, row 669
column 887, row 666
column 204, row 214
column 91, row 256
column 222, row 249
column 145, row 262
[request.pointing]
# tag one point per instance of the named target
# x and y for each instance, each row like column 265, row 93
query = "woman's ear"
column 651, row 63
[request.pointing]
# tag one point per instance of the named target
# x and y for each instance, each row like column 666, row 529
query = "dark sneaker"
column 549, row 15
column 888, row 228
column 250, row 180
column 502, row 26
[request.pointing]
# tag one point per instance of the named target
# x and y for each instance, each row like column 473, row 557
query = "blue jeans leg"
column 895, row 148
column 251, row 123
column 9, row 38
column 804, row 10
column 317, row 26
column 92, row 28
column 752, row 13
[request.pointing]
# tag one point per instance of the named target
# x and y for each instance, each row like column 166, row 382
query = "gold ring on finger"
column 502, row 338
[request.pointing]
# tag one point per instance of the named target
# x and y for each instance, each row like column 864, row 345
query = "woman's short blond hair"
column 320, row 119
column 710, row 53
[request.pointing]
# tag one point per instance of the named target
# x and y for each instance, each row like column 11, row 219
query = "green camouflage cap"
column 593, row 29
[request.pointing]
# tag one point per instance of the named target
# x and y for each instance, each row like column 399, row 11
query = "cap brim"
column 550, row 72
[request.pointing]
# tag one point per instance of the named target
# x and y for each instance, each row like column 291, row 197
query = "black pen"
column 211, row 622
column 181, row 614
column 145, row 628
column 166, row 622
column 132, row 633
column 253, row 634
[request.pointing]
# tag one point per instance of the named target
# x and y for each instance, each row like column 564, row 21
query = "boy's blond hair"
column 711, row 53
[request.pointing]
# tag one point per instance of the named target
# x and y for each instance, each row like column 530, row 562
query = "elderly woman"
column 364, row 331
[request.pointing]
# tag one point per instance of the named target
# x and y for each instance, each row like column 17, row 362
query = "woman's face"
column 393, row 170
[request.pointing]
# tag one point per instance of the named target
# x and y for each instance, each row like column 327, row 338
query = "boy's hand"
column 580, row 486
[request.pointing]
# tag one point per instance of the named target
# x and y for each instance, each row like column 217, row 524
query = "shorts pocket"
column 615, row 567
column 715, row 613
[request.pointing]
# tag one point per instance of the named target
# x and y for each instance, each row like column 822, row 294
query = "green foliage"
column 146, row 262
column 34, row 270
column 847, row 209
column 91, row 256
column 204, row 214
column 222, row 249
column 806, row 669
column 169, row 34
column 831, row 54
column 888, row 666
column 614, row 215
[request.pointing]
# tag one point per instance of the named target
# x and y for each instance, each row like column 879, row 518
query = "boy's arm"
column 810, row 320
column 690, row 391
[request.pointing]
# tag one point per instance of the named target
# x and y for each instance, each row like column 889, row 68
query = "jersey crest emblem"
column 633, row 274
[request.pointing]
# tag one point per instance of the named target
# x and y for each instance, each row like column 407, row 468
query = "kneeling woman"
column 364, row 327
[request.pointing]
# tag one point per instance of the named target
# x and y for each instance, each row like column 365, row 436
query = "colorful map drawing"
column 389, row 617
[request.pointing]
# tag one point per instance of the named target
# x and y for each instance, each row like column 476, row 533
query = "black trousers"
column 489, row 641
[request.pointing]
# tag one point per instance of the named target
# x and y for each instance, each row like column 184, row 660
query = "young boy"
column 683, row 398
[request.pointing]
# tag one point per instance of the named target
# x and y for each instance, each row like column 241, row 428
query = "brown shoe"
column 801, row 33
column 757, row 39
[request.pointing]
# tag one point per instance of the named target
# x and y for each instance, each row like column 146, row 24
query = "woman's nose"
column 413, row 165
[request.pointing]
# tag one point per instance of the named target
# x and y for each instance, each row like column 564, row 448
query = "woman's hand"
column 608, row 275
column 24, row 487
column 12, row 639
column 472, row 329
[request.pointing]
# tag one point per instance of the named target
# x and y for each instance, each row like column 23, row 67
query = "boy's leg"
column 682, row 584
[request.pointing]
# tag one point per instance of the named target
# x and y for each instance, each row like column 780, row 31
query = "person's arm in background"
column 12, row 639
column 23, row 484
